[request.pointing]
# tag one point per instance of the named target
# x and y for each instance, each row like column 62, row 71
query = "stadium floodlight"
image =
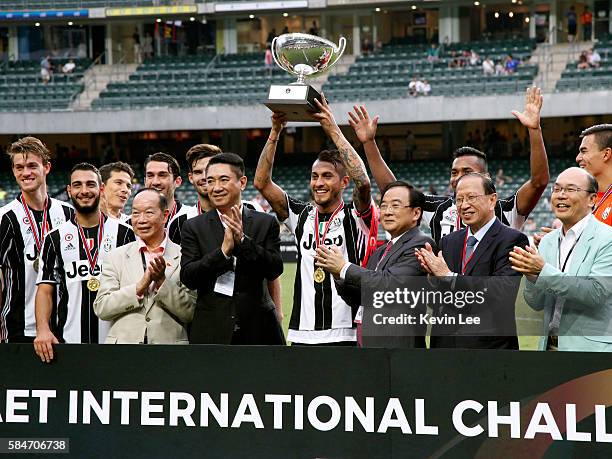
column 158, row 20
column 251, row 16
column 70, row 23
column 476, row 3
column 527, row 19
column 377, row 10
column 192, row 19
column 496, row 14
column 285, row 15
column 511, row 14
column 37, row 24
column 414, row 7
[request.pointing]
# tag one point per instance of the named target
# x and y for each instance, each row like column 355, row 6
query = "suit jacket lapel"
column 582, row 247
column 247, row 219
column 216, row 227
column 173, row 259
column 486, row 241
column 397, row 246
column 133, row 258
column 453, row 257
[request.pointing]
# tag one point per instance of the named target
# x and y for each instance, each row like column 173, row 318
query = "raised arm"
column 355, row 168
column 531, row 191
column 263, row 174
column 365, row 129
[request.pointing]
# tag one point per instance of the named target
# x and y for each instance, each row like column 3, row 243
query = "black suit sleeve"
column 197, row 266
column 265, row 258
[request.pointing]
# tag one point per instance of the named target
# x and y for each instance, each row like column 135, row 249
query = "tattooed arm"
column 355, row 168
column 263, row 174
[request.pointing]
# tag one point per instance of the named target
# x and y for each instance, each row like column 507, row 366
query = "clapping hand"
column 527, row 261
column 233, row 220
column 430, row 262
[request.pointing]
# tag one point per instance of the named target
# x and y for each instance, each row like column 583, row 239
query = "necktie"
column 387, row 249
column 469, row 249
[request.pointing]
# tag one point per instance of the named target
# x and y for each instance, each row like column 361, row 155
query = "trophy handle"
column 273, row 49
column 341, row 47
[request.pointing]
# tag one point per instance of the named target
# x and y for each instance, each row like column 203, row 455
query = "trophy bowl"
column 304, row 56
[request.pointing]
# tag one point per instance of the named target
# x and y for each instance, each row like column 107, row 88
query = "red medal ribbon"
column 173, row 213
column 603, row 198
column 93, row 259
column 463, row 265
column 38, row 240
column 199, row 208
column 331, row 219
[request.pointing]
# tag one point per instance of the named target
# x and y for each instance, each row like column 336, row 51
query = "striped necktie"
column 469, row 249
column 387, row 249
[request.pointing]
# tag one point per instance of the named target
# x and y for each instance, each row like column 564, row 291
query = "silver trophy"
column 305, row 56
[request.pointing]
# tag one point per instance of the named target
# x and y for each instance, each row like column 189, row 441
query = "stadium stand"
column 238, row 79
column 241, row 79
column 385, row 75
column 21, row 87
column 590, row 79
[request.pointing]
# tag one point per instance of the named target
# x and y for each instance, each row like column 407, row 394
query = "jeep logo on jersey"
column 80, row 271
column 338, row 240
column 32, row 257
column 68, row 237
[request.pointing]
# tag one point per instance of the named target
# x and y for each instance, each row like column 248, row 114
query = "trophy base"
column 297, row 101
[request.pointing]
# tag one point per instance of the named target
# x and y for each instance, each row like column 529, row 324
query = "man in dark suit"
column 472, row 256
column 390, row 265
column 227, row 255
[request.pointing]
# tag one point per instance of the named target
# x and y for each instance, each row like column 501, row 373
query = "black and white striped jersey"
column 18, row 252
column 440, row 213
column 319, row 314
column 175, row 223
column 64, row 263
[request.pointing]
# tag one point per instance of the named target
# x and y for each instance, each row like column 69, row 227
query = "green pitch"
column 527, row 319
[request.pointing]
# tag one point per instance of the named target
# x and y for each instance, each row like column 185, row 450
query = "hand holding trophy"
column 305, row 56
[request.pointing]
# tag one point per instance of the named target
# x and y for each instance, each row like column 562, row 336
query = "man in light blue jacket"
column 570, row 278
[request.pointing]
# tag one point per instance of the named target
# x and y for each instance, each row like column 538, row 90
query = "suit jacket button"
column 148, row 319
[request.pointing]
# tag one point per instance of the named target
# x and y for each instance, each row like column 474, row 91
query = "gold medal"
column 93, row 284
column 319, row 275
column 36, row 264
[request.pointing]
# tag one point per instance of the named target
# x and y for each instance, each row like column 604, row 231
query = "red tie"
column 387, row 249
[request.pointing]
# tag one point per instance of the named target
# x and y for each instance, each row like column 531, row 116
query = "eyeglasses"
column 395, row 207
column 469, row 199
column 568, row 189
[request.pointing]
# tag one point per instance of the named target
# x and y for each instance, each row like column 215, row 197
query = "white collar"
column 396, row 238
column 482, row 231
column 578, row 227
